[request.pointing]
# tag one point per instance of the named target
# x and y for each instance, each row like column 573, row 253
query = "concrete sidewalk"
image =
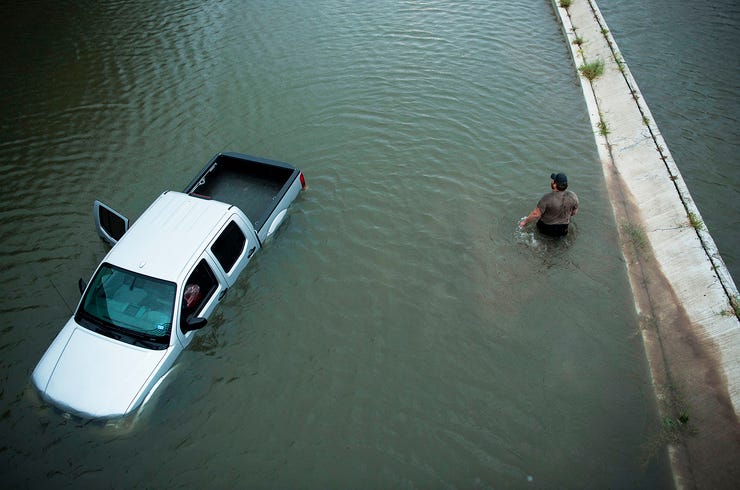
column 684, row 295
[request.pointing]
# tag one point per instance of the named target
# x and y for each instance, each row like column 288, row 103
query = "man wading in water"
column 554, row 210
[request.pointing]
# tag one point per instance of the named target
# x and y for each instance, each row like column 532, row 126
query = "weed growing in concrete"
column 735, row 303
column 635, row 235
column 592, row 70
column 620, row 64
column 604, row 32
column 646, row 120
column 675, row 425
column 603, row 128
column 566, row 3
column 645, row 323
column 734, row 309
column 695, row 221
column 578, row 41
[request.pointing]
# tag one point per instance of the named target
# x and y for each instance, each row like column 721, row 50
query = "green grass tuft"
column 635, row 234
column 592, row 70
column 695, row 221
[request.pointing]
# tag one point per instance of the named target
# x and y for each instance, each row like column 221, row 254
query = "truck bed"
column 255, row 185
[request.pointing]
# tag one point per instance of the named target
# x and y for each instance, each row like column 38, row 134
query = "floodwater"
column 398, row 332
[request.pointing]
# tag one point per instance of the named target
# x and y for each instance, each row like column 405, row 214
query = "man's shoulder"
column 546, row 201
column 546, row 197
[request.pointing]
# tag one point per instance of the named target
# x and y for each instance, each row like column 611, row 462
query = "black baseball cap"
column 559, row 178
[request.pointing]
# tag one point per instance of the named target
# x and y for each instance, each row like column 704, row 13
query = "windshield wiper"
column 89, row 321
column 148, row 341
column 116, row 333
column 108, row 333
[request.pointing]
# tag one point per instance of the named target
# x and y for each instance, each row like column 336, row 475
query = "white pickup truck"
column 160, row 282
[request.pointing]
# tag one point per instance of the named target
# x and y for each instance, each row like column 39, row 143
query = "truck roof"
column 170, row 235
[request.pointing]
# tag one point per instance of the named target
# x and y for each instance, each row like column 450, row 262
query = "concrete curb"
column 684, row 294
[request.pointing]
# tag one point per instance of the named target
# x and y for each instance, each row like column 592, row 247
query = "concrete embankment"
column 684, row 295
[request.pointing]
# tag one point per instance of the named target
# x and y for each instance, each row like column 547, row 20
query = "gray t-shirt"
column 558, row 207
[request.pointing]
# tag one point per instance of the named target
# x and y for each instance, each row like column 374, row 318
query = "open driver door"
column 111, row 224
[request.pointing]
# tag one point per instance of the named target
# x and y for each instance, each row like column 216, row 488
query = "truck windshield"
column 128, row 306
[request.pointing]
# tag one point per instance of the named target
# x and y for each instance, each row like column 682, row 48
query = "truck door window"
column 229, row 246
column 199, row 288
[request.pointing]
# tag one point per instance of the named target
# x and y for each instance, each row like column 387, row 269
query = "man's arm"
column 575, row 207
column 533, row 216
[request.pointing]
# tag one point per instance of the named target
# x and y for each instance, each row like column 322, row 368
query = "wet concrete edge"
column 692, row 344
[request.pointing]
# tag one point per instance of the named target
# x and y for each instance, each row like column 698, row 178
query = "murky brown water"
column 399, row 331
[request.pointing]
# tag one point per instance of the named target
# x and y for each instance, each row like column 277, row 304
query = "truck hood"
column 94, row 376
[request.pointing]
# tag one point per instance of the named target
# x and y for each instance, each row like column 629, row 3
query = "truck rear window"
column 229, row 246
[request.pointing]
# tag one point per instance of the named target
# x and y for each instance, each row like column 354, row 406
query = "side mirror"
column 194, row 324
column 82, row 285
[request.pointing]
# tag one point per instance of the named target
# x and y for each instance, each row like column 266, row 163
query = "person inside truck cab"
column 190, row 298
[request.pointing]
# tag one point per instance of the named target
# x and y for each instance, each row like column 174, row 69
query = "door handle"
column 222, row 294
column 251, row 252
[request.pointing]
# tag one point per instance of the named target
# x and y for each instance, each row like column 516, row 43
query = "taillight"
column 303, row 181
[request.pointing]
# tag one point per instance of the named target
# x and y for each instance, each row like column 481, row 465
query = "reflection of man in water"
column 554, row 210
